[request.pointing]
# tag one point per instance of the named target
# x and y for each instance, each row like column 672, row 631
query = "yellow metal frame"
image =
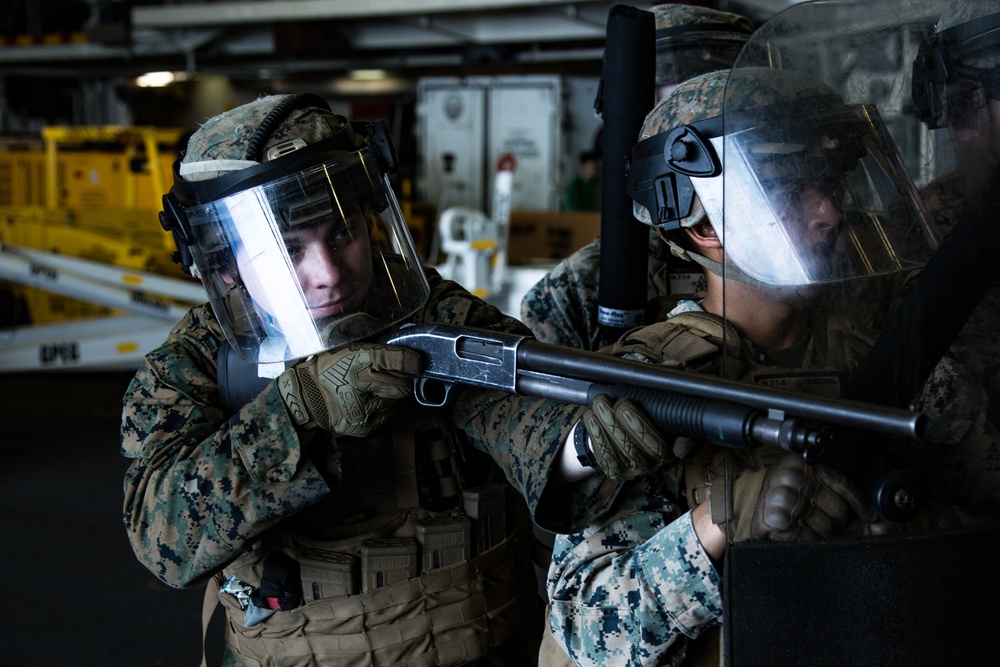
column 127, row 234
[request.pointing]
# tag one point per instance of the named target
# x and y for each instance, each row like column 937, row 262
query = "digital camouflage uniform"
column 962, row 446
column 208, row 490
column 945, row 201
column 237, row 478
column 201, row 489
column 692, row 40
column 636, row 587
column 561, row 308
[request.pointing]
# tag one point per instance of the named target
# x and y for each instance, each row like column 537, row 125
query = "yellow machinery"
column 80, row 240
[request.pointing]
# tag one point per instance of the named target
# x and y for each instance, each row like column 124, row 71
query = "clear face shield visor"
column 824, row 198
column 309, row 261
column 799, row 198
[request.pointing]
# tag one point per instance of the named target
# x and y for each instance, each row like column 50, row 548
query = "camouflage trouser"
column 706, row 651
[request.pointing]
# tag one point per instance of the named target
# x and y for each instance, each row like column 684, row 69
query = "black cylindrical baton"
column 628, row 90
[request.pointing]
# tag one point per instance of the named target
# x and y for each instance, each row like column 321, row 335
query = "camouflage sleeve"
column 961, row 451
column 561, row 308
column 199, row 486
column 633, row 590
column 523, row 434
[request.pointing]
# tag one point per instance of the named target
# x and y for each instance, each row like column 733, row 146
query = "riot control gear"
column 746, row 150
column 287, row 216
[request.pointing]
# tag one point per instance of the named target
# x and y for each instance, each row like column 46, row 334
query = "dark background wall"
column 73, row 593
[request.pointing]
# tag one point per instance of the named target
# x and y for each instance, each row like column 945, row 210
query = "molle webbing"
column 702, row 342
column 686, row 347
column 412, row 461
column 447, row 616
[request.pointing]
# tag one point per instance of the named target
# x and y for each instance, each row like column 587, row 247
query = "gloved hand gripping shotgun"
column 723, row 412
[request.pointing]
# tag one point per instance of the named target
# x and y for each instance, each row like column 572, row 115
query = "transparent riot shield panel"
column 858, row 201
column 877, row 123
column 865, row 51
column 823, row 222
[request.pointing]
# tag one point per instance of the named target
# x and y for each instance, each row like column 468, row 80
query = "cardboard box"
column 549, row 235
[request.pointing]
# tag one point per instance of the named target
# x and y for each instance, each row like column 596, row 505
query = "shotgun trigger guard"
column 432, row 392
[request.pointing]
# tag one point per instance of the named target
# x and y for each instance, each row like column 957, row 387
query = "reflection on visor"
column 821, row 148
column 816, row 199
column 308, row 262
column 308, row 198
column 308, row 212
column 975, row 40
column 260, row 253
column 966, row 51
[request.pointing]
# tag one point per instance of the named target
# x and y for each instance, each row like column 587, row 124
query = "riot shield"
column 846, row 129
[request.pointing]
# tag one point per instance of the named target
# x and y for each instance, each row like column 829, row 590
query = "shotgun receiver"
column 723, row 412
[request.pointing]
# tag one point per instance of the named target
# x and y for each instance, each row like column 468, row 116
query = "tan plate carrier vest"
column 446, row 615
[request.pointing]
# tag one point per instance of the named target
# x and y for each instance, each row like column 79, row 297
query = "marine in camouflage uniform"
column 562, row 307
column 207, row 487
column 641, row 585
column 962, row 447
column 202, row 486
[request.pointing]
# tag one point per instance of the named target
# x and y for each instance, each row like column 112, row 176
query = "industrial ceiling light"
column 368, row 74
column 155, row 79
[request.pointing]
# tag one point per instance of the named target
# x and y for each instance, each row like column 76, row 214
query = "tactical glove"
column 350, row 391
column 784, row 500
column 625, row 442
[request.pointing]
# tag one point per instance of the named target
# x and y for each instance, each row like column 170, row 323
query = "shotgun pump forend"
column 723, row 412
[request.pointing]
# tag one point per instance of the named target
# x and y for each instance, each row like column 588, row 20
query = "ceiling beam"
column 230, row 13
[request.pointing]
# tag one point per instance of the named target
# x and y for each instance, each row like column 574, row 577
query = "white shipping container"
column 466, row 124
column 451, row 130
column 525, row 115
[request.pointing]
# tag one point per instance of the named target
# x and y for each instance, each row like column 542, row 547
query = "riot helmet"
column 284, row 211
column 800, row 188
column 955, row 70
column 693, row 40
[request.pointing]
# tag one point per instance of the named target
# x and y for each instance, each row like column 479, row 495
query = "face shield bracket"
column 377, row 134
column 930, row 75
column 660, row 171
column 173, row 220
